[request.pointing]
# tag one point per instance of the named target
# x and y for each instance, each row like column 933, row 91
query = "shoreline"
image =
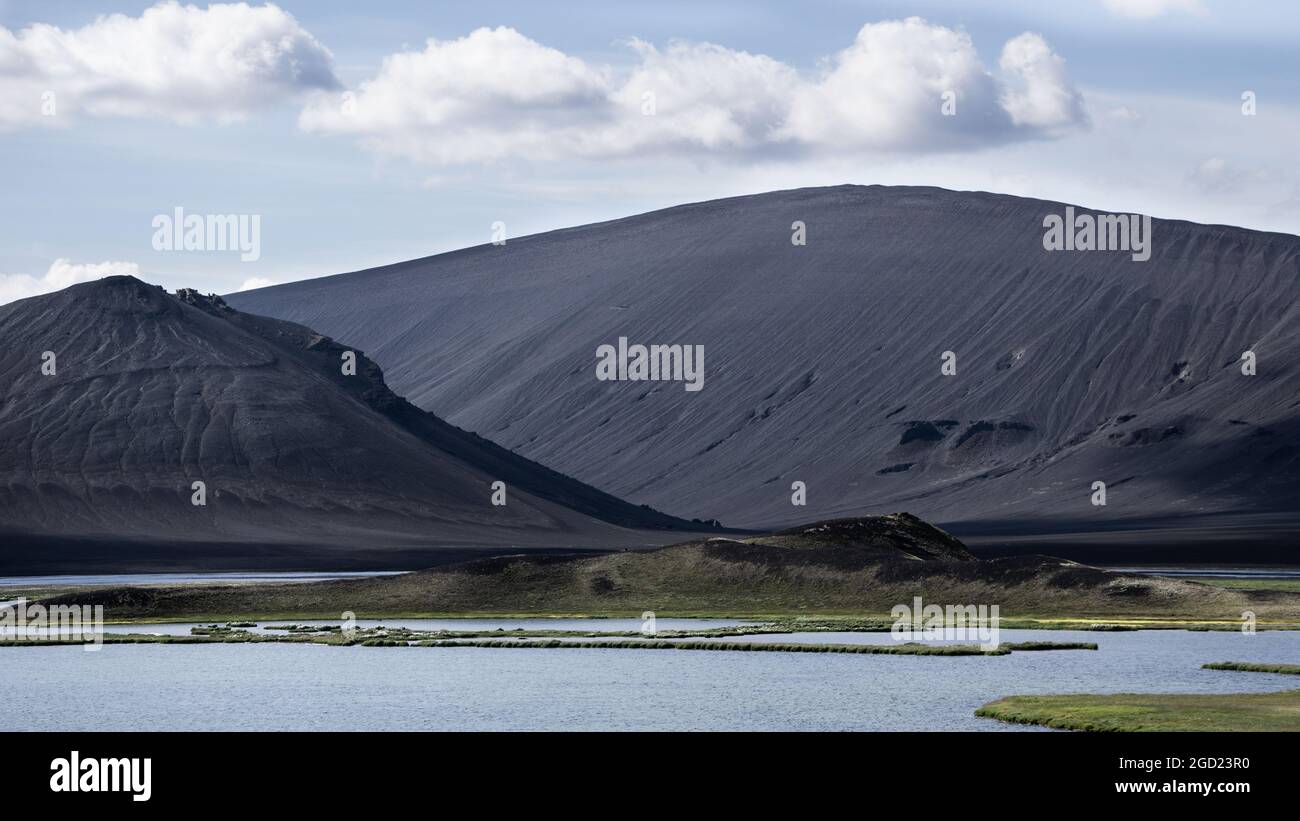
column 871, row 622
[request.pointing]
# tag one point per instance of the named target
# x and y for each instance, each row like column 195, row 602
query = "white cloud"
column 173, row 62
column 1216, row 175
column 489, row 94
column 704, row 96
column 1122, row 115
column 255, row 282
column 1038, row 93
column 1146, row 9
column 61, row 274
column 497, row 95
column 886, row 90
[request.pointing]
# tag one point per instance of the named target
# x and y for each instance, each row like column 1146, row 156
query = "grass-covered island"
column 1130, row 712
column 1252, row 667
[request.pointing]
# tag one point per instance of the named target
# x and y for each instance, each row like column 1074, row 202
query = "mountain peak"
column 174, row 419
column 211, row 303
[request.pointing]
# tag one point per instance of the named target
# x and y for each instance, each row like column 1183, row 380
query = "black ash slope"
column 823, row 363
column 303, row 465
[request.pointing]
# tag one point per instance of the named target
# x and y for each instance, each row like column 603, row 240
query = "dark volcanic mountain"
column 153, row 392
column 823, row 361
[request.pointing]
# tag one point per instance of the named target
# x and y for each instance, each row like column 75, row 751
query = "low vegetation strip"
column 1131, row 712
column 1049, row 645
column 399, row 637
column 145, row 638
column 1250, row 667
column 908, row 649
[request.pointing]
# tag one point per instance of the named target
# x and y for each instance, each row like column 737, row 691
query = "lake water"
column 1211, row 572
column 304, row 687
column 504, row 625
column 151, row 579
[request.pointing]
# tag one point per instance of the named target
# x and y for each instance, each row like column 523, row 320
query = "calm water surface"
column 1215, row 572
column 120, row 579
column 285, row 687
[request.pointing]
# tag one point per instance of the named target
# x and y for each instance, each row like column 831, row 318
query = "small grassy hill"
column 861, row 566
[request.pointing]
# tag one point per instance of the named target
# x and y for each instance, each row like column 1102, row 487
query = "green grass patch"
column 1130, row 712
column 1250, row 667
column 1021, row 646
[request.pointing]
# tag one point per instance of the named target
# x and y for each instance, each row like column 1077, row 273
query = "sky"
column 360, row 134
